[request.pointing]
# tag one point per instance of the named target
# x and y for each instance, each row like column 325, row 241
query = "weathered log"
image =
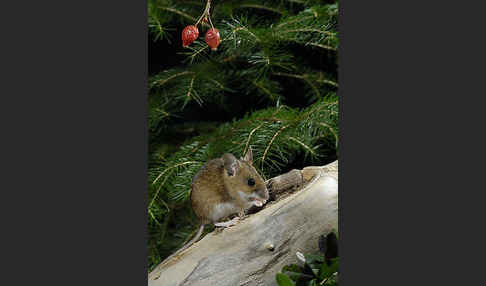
column 254, row 250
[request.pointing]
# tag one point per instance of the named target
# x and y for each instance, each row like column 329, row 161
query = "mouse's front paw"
column 242, row 215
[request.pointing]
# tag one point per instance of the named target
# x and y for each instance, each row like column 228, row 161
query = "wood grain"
column 254, row 250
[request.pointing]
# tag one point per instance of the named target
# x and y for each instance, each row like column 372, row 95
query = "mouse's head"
column 243, row 181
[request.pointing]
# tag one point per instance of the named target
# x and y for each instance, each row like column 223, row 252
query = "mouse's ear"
column 249, row 156
column 231, row 164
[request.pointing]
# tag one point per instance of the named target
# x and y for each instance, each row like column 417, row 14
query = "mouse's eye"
column 251, row 182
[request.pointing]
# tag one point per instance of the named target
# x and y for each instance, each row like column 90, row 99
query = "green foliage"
column 252, row 53
column 284, row 280
column 318, row 269
column 271, row 85
column 274, row 134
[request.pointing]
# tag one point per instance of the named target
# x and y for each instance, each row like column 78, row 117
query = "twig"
column 323, row 46
column 190, row 86
column 175, row 166
column 185, row 15
column 260, row 7
column 246, row 30
column 296, row 20
column 305, row 76
column 271, row 141
column 162, row 82
column 265, row 90
column 309, row 30
column 249, row 136
column 303, row 145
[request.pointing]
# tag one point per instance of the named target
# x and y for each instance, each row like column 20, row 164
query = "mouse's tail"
column 187, row 245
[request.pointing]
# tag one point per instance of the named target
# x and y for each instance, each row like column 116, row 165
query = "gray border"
column 75, row 162
column 74, row 146
column 407, row 205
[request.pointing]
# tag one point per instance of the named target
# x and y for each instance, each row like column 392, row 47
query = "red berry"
column 189, row 35
column 212, row 38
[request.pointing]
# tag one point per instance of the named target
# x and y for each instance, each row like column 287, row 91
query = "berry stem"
column 210, row 22
column 205, row 13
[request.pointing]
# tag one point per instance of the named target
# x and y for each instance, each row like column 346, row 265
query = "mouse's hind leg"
column 227, row 223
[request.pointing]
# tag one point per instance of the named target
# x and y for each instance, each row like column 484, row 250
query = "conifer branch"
column 154, row 23
column 185, row 15
column 271, row 141
column 323, row 46
column 188, row 95
column 309, row 30
column 153, row 217
column 246, row 30
column 161, row 82
column 297, row 20
column 217, row 83
column 332, row 131
column 314, row 88
column 157, row 194
column 175, row 166
column 197, row 52
column 256, row 6
column 265, row 90
column 249, row 137
column 304, row 76
column 302, row 144
column 330, row 82
column 319, row 107
column 296, row 1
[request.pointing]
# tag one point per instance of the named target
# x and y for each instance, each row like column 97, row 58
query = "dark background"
column 74, row 143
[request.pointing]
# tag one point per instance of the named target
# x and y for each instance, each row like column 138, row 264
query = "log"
column 254, row 250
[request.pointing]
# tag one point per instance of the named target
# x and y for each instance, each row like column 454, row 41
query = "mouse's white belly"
column 222, row 210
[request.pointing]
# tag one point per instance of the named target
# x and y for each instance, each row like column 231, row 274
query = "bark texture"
column 254, row 250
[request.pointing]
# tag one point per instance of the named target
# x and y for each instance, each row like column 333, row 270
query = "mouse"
column 222, row 187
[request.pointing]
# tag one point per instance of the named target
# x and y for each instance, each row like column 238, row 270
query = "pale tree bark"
column 254, row 250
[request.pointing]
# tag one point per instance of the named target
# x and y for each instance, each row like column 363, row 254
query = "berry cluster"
column 191, row 32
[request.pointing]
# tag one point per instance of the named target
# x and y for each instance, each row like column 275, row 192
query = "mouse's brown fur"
column 222, row 188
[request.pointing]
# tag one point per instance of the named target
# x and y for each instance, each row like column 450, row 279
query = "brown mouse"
column 222, row 187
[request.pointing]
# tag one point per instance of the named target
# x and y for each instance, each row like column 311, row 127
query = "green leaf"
column 295, row 276
column 331, row 282
column 314, row 262
column 293, row 268
column 327, row 271
column 312, row 269
column 284, row 280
